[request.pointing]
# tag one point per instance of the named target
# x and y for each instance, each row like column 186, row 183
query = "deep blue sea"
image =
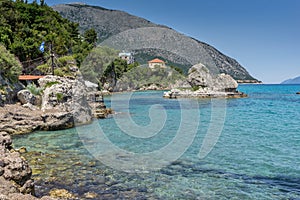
column 156, row 148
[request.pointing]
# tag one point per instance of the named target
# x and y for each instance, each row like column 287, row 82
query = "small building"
column 156, row 63
column 127, row 56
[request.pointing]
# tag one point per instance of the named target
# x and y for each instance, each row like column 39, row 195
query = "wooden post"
column 52, row 58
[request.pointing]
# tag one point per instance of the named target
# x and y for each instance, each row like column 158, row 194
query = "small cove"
column 255, row 157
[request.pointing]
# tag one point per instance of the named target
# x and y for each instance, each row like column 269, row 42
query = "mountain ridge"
column 295, row 80
column 123, row 31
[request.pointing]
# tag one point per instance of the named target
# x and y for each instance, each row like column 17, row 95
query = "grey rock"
column 14, row 168
column 68, row 95
column 1, row 101
column 224, row 82
column 30, row 106
column 9, row 91
column 204, row 84
column 25, row 97
column 199, row 76
column 5, row 141
column 58, row 121
column 15, row 173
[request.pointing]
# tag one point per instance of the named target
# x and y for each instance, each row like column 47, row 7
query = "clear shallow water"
column 255, row 157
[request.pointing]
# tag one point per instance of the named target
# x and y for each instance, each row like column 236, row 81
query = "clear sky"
column 262, row 35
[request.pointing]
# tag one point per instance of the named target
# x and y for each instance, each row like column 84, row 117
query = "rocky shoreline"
column 77, row 106
column 64, row 103
column 15, row 173
column 175, row 93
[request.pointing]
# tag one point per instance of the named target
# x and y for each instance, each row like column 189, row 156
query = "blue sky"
column 262, row 35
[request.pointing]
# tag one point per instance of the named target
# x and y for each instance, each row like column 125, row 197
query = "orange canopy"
column 29, row 77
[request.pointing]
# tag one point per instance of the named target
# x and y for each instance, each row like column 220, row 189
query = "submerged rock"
column 61, row 193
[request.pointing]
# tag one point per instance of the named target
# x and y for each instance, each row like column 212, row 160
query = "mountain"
column 292, row 81
column 147, row 40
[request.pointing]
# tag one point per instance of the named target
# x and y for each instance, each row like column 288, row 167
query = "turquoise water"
column 256, row 155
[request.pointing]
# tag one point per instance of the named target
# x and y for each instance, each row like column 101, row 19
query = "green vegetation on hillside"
column 144, row 76
column 10, row 66
column 63, row 66
column 103, row 64
column 97, row 61
column 24, row 26
column 144, row 55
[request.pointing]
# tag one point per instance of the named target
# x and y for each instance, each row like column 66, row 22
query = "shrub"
column 33, row 89
column 59, row 96
column 10, row 66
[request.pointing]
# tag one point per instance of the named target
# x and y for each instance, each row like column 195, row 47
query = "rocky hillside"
column 106, row 22
column 292, row 81
column 123, row 31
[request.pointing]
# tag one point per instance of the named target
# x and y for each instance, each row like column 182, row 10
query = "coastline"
column 75, row 163
column 15, row 172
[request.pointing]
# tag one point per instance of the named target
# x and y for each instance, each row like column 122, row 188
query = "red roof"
column 29, row 77
column 156, row 60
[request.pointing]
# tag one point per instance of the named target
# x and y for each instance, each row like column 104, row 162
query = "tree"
column 10, row 66
column 90, row 36
column 95, row 64
column 62, row 66
column 24, row 26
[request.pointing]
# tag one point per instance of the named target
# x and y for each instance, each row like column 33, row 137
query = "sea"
column 156, row 148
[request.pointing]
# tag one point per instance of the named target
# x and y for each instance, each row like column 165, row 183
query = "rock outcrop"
column 25, row 96
column 15, row 119
column 15, row 173
column 69, row 96
column 199, row 76
column 9, row 90
column 204, row 84
column 63, row 104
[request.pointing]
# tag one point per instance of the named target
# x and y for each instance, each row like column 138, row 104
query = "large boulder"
column 224, row 82
column 26, row 97
column 204, row 85
column 67, row 96
column 199, row 76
